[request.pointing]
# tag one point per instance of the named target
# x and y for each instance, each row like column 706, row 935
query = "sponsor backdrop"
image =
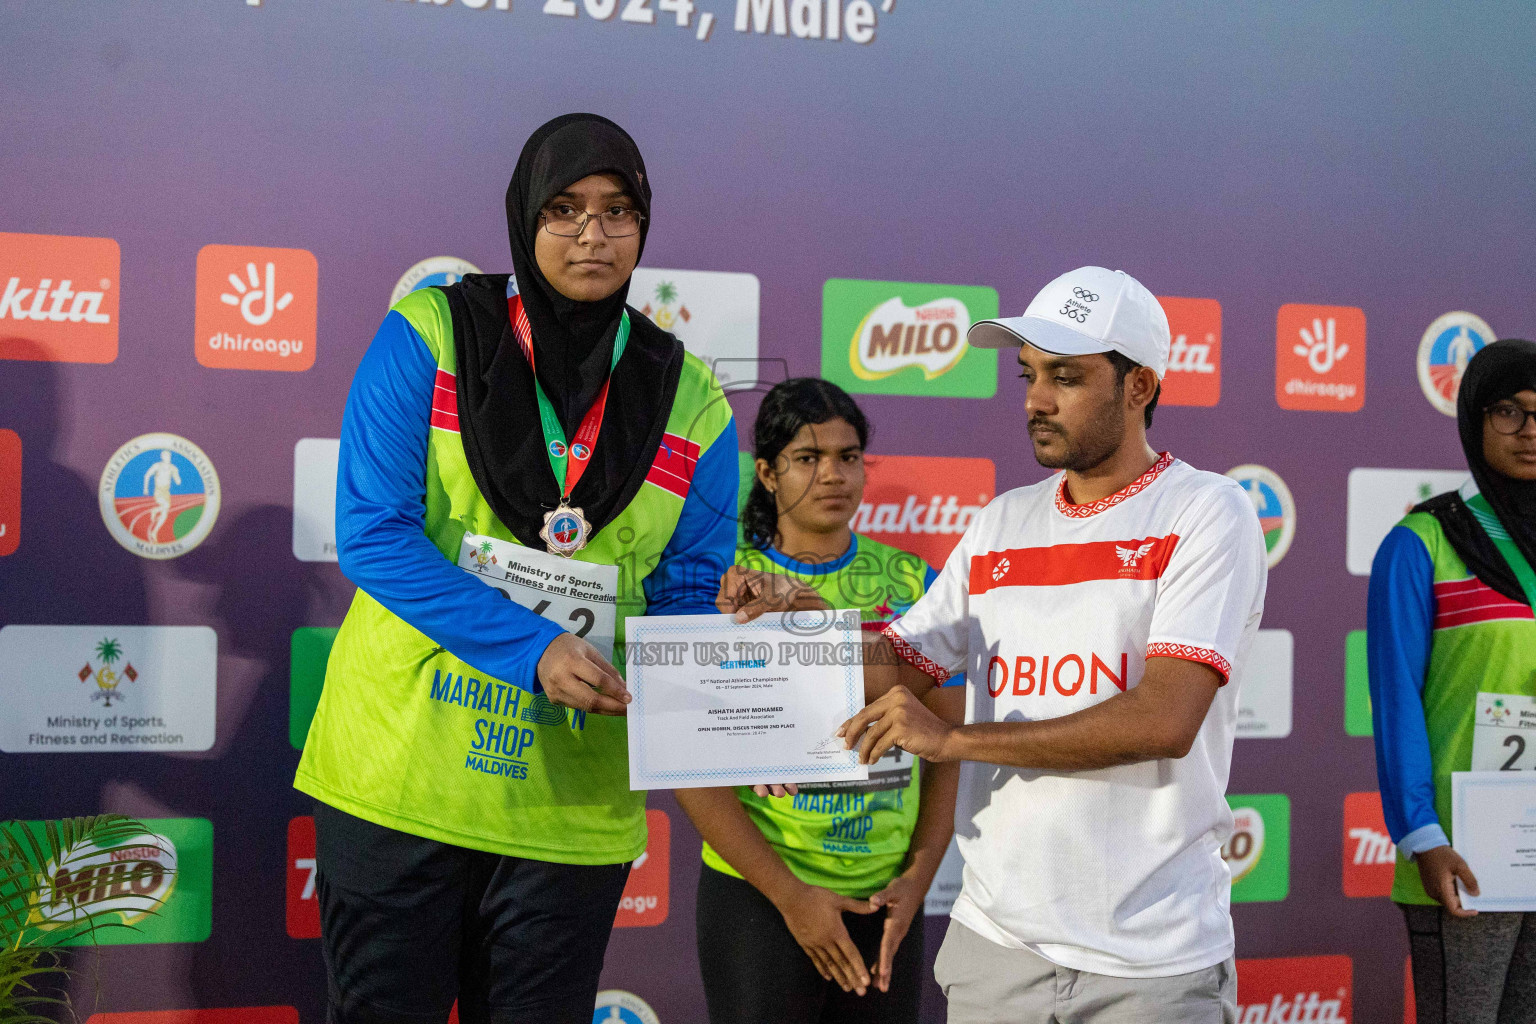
column 209, row 204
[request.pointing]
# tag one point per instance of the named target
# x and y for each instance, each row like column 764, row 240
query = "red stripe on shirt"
column 1469, row 601
column 445, row 402
column 912, row 656
column 1063, row 564
column 672, row 469
column 1204, row 655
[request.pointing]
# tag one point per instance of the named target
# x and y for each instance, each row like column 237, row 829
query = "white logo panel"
column 946, row 883
column 713, row 313
column 314, row 498
column 78, row 689
column 1378, row 498
column 1264, row 688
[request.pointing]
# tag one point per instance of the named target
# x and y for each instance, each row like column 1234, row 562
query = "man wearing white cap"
column 1098, row 616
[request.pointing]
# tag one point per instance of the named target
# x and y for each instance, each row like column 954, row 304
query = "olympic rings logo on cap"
column 1085, row 294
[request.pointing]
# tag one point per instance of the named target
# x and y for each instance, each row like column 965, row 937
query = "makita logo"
column 1302, row 1008
column 44, row 302
column 942, row 514
column 1187, row 357
column 1372, row 847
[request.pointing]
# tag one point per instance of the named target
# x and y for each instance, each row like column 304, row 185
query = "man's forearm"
column 1115, row 732
column 884, row 669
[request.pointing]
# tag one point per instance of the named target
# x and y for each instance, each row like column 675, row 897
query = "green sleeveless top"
column 850, row 837
column 1472, row 650
column 394, row 737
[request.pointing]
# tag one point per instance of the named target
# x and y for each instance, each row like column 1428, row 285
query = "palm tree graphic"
column 107, row 679
column 666, row 293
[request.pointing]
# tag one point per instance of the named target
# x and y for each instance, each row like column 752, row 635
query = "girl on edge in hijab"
column 1451, row 640
column 525, row 461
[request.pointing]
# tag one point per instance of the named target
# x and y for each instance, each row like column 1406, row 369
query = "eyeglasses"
column 1508, row 418
column 566, row 221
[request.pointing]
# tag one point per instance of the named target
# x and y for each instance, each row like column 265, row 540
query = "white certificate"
column 1494, row 822
column 722, row 704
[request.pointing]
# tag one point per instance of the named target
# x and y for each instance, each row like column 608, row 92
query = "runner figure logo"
column 1447, row 346
column 1274, row 505
column 580, row 452
column 565, row 530
column 108, row 651
column 159, row 496
column 557, row 448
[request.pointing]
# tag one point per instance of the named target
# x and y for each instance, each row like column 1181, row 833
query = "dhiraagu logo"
column 899, row 338
column 1259, row 852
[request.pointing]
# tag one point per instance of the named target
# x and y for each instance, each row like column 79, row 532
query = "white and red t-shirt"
column 1049, row 608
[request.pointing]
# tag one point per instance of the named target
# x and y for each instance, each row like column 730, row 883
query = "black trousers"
column 756, row 973
column 408, row 925
column 1472, row 970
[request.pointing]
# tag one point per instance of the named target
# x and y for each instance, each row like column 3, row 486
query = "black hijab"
column 573, row 343
column 1496, row 373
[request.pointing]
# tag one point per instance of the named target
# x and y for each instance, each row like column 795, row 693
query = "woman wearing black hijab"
column 525, row 462
column 1452, row 646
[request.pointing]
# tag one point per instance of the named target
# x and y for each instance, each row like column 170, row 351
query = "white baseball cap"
column 1084, row 311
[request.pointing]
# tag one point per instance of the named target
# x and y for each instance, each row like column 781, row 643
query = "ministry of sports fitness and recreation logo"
column 1448, row 345
column 714, row 313
column 58, row 298
column 615, row 1006
column 159, row 495
column 105, row 673
column 1275, row 507
column 431, row 272
column 1320, row 358
column 900, row 338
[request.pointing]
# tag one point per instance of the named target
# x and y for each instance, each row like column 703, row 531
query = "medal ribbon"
column 1508, row 549
column 566, row 473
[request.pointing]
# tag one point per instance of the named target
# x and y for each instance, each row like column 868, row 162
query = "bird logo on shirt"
column 1130, row 556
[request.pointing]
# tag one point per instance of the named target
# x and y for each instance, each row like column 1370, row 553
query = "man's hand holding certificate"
column 720, row 702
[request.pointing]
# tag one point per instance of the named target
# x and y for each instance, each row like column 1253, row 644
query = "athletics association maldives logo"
column 159, row 496
column 615, row 1006
column 1445, row 350
column 1273, row 502
column 431, row 272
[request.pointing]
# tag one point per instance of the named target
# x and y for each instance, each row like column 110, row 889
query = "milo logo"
column 900, row 338
column 894, row 336
column 130, row 880
column 1243, row 851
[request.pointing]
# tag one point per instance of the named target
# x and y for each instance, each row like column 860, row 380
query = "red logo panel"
column 257, row 307
column 645, row 894
column 303, row 904
column 229, row 1015
column 1320, row 358
column 58, row 298
column 922, row 504
column 10, row 491
column 1318, row 989
column 1369, row 855
column 1194, row 358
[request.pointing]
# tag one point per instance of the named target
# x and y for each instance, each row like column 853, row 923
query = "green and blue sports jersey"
column 850, row 837
column 1437, row 639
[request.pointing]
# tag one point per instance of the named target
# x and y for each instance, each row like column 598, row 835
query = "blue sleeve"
column 1400, row 614
column 687, row 577
column 381, row 514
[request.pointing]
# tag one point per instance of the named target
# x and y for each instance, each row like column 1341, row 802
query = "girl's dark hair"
column 789, row 406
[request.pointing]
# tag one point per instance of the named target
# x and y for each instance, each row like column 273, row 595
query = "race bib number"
column 892, row 771
column 1504, row 733
column 579, row 596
